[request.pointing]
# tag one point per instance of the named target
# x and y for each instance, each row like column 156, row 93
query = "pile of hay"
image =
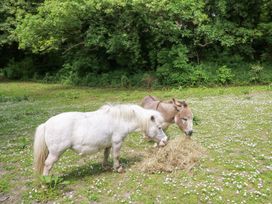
column 179, row 153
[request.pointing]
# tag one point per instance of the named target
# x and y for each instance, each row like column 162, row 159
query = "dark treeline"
column 137, row 42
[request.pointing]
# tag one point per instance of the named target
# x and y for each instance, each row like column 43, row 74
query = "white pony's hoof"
column 120, row 169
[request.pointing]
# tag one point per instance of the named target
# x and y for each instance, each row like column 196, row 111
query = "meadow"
column 233, row 124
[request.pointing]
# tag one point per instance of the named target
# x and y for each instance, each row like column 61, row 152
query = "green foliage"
column 196, row 120
column 125, row 82
column 23, row 142
column 52, row 182
column 13, row 99
column 46, row 30
column 93, row 38
column 173, row 65
column 199, row 77
column 255, row 73
column 224, row 75
column 68, row 74
column 23, row 69
column 149, row 80
column 4, row 184
column 11, row 11
column 93, row 197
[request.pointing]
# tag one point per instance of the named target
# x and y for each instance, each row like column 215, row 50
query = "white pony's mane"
column 130, row 112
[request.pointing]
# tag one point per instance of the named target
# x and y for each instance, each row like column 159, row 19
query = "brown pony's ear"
column 176, row 103
column 179, row 104
column 183, row 103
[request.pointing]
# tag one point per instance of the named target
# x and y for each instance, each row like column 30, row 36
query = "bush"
column 125, row 82
column 68, row 74
column 255, row 73
column 172, row 78
column 199, row 77
column 23, row 69
column 173, row 66
column 224, row 75
column 149, row 80
column 49, row 78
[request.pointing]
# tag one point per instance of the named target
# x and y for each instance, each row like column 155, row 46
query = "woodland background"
column 137, row 43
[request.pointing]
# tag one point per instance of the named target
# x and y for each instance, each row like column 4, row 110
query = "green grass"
column 233, row 124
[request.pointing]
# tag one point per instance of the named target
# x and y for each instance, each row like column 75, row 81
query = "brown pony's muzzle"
column 184, row 129
column 189, row 133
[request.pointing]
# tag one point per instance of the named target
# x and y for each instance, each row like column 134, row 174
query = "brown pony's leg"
column 116, row 155
column 105, row 163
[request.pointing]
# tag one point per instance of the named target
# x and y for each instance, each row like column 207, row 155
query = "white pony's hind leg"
column 49, row 162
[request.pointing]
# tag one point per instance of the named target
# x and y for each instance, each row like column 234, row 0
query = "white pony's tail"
column 40, row 149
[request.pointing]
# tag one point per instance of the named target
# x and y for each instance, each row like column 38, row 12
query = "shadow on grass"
column 97, row 168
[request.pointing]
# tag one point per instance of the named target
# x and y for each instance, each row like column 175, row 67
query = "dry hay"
column 179, row 153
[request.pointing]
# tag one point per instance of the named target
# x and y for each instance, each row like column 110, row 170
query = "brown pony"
column 173, row 111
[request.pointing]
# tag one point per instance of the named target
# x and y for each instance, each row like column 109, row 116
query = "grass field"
column 234, row 124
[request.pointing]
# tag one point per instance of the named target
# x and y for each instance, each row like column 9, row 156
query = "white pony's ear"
column 152, row 118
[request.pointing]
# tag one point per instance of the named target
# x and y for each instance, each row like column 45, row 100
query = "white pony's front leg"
column 105, row 163
column 116, row 146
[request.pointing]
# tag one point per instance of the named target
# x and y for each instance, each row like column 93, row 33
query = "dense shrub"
column 149, row 80
column 199, row 77
column 255, row 73
column 224, row 75
column 23, row 69
column 173, row 66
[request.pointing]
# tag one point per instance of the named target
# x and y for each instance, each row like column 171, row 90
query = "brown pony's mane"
column 183, row 103
column 177, row 103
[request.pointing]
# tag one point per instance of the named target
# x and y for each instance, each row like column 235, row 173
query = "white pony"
column 89, row 132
